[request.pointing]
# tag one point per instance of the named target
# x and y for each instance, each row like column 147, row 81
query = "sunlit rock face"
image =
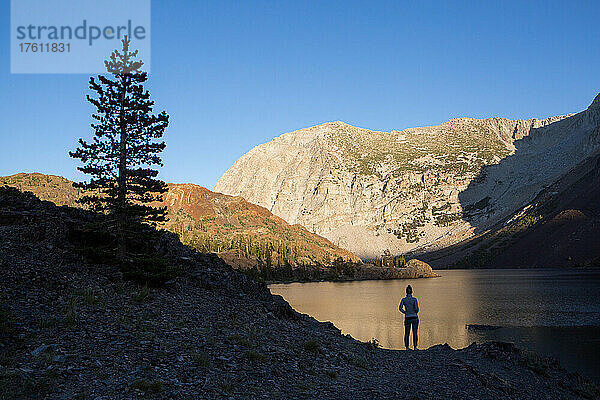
column 424, row 188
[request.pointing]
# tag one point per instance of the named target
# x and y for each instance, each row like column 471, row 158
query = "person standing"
column 409, row 306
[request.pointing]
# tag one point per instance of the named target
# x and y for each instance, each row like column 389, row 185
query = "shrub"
column 142, row 294
column 358, row 361
column 146, row 386
column 373, row 344
column 89, row 297
column 149, row 270
column 240, row 340
column 201, row 359
column 254, row 356
column 331, row 374
column 312, row 346
column 70, row 314
column 227, row 387
column 97, row 243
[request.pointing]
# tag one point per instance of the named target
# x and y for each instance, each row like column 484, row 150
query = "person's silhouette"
column 409, row 306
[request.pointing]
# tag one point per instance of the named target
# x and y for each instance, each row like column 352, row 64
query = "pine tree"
column 124, row 147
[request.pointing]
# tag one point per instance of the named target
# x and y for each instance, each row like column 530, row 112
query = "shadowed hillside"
column 559, row 228
column 56, row 189
column 557, row 223
column 244, row 234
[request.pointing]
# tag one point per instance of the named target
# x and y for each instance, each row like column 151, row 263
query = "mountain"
column 560, row 227
column 53, row 188
column 239, row 231
column 568, row 224
column 242, row 232
column 420, row 189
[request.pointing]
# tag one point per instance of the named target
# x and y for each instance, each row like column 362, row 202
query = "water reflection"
column 532, row 306
column 369, row 309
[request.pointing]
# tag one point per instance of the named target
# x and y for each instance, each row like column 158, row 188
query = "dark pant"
column 408, row 322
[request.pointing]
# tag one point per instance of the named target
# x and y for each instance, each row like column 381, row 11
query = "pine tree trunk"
column 122, row 179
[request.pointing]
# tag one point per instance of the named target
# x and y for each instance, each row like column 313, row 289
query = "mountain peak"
column 334, row 124
column 596, row 103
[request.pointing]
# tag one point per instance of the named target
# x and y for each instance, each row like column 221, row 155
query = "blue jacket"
column 411, row 306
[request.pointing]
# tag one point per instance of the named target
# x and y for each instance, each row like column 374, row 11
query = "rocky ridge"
column 73, row 329
column 211, row 222
column 559, row 228
column 420, row 188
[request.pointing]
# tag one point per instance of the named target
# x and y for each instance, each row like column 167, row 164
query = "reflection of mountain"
column 540, row 320
column 212, row 222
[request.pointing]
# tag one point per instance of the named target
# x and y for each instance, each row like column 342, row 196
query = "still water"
column 552, row 312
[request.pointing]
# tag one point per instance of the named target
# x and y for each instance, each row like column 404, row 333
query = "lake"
column 551, row 312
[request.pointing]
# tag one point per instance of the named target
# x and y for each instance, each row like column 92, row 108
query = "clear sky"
column 233, row 75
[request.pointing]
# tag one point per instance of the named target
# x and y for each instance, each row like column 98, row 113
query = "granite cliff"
column 418, row 189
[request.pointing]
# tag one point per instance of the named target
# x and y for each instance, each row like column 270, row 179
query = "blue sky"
column 233, row 75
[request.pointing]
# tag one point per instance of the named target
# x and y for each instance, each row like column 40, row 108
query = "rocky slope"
column 559, row 228
column 71, row 329
column 242, row 232
column 212, row 222
column 55, row 189
column 421, row 188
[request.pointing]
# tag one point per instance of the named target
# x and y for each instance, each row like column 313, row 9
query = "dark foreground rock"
column 71, row 329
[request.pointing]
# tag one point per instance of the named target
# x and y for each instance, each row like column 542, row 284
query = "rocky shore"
column 413, row 269
column 346, row 271
column 73, row 329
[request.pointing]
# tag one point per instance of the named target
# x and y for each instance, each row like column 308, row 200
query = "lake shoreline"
column 341, row 280
column 346, row 272
column 438, row 272
column 367, row 309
